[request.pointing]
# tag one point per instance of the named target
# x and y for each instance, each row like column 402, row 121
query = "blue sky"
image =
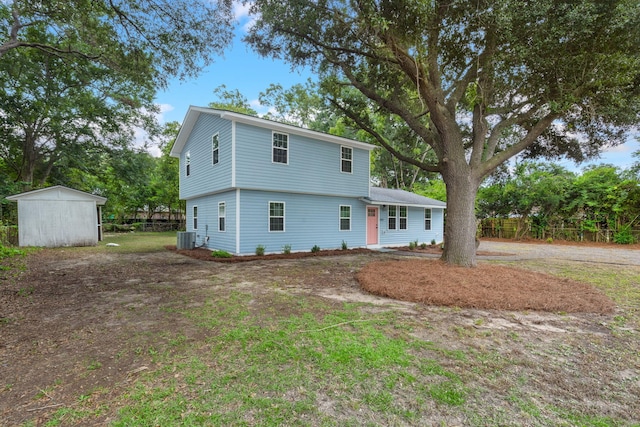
column 242, row 69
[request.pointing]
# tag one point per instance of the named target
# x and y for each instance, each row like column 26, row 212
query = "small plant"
column 413, row 245
column 433, row 242
column 286, row 249
column 260, row 250
column 315, row 249
column 423, row 245
column 624, row 236
column 550, row 240
column 221, row 254
column 344, row 246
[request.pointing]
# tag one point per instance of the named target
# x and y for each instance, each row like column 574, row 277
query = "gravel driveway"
column 523, row 251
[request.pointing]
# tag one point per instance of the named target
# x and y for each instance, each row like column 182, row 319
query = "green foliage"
column 221, row 254
column 624, row 236
column 549, row 80
column 260, row 250
column 9, row 252
column 315, row 249
column 232, row 101
column 141, row 40
column 433, row 242
column 344, row 246
column 286, row 249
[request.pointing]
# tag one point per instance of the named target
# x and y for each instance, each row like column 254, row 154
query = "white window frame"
column 284, row 215
column 343, row 159
column 340, row 218
column 404, row 217
column 222, row 217
column 394, row 217
column 194, row 210
column 187, row 163
column 274, row 148
column 427, row 218
column 215, row 149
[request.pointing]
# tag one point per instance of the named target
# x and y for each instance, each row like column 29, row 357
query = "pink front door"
column 372, row 226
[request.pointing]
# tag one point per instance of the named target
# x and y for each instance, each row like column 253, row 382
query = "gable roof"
column 55, row 193
column 389, row 196
column 194, row 113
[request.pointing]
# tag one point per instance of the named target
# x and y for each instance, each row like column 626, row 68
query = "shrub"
column 423, row 245
column 8, row 252
column 221, row 254
column 315, row 249
column 550, row 240
column 624, row 236
column 412, row 245
column 433, row 242
column 286, row 249
column 260, row 250
column 344, row 246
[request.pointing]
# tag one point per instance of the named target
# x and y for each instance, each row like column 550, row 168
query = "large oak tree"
column 478, row 82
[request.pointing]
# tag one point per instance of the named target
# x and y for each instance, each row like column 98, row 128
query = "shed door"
column 372, row 226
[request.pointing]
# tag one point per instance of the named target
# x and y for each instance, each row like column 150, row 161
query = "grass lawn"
column 257, row 346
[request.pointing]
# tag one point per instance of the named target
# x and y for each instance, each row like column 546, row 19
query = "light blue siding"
column 208, row 221
column 205, row 177
column 309, row 220
column 415, row 228
column 313, row 166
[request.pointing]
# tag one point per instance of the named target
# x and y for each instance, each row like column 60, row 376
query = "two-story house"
column 249, row 181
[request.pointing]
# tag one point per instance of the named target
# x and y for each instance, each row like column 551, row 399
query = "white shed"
column 58, row 216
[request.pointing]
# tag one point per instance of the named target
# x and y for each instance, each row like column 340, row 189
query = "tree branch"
column 381, row 140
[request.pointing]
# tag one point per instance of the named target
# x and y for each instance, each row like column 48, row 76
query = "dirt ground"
column 73, row 321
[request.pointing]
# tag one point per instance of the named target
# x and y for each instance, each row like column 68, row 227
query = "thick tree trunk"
column 460, row 225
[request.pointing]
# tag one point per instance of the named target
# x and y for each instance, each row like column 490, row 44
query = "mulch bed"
column 433, row 282
column 205, row 254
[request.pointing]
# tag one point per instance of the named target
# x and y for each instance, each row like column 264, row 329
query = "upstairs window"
column 345, row 218
column 276, row 216
column 187, row 163
column 427, row 219
column 214, row 150
column 346, row 159
column 195, row 217
column 221, row 216
column 280, row 148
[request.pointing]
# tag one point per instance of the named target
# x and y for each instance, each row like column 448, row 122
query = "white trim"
column 424, row 219
column 273, row 147
column 194, row 113
column 406, row 217
column 224, row 206
column 410, row 205
column 237, row 220
column 343, row 159
column 284, row 216
column 233, row 153
column 194, row 217
column 340, row 217
column 98, row 199
column 366, row 217
column 217, row 136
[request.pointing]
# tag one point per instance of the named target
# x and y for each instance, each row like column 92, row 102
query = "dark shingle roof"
column 390, row 196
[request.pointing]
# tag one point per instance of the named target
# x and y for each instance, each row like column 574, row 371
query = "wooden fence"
column 514, row 228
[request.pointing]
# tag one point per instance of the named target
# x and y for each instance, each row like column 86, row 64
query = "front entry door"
column 372, row 226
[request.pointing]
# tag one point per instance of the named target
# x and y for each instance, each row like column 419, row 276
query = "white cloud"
column 242, row 16
column 141, row 137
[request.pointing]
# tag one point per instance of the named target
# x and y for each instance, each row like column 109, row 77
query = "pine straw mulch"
column 495, row 287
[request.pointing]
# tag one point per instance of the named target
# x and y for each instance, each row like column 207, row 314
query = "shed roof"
column 57, row 192
column 389, row 196
column 194, row 113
